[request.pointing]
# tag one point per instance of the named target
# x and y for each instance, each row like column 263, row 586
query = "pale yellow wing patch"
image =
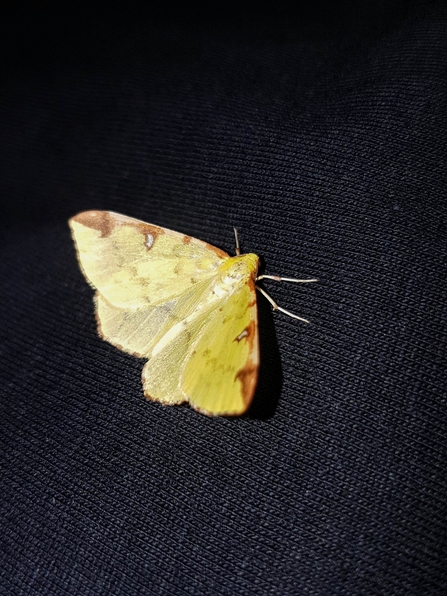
column 137, row 331
column 220, row 374
column 134, row 264
column 213, row 361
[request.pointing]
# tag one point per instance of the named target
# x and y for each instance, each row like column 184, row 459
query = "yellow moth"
column 186, row 306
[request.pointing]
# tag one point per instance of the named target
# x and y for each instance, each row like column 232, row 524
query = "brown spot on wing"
column 96, row 220
column 251, row 282
column 220, row 253
column 105, row 222
column 252, row 287
column 248, row 377
column 150, row 233
column 248, row 333
column 186, row 239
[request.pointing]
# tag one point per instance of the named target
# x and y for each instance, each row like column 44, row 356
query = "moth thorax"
column 239, row 269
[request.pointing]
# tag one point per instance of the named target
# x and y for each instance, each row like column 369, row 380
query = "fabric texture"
column 322, row 136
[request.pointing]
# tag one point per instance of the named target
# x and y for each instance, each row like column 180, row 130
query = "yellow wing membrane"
column 216, row 351
column 134, row 264
column 183, row 304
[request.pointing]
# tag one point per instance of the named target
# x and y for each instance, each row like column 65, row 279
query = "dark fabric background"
column 321, row 134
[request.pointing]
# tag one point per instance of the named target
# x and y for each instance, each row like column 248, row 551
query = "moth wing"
column 134, row 264
column 213, row 361
column 137, row 331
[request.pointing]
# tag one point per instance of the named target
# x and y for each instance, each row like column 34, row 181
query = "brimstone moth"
column 186, row 306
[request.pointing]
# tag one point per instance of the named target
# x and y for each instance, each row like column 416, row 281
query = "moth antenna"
column 276, row 307
column 238, row 248
column 278, row 278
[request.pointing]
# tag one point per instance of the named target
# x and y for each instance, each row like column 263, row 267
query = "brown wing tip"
column 248, row 377
column 102, row 221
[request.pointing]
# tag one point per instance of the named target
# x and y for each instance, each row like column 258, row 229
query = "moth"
column 186, row 306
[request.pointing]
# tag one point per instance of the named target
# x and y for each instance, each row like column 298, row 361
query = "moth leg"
column 278, row 278
column 276, row 307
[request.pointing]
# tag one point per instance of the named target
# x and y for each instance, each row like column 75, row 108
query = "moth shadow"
column 270, row 378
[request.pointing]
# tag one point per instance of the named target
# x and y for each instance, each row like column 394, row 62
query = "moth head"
column 240, row 268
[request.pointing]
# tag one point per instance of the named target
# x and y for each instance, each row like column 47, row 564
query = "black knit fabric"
column 322, row 135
